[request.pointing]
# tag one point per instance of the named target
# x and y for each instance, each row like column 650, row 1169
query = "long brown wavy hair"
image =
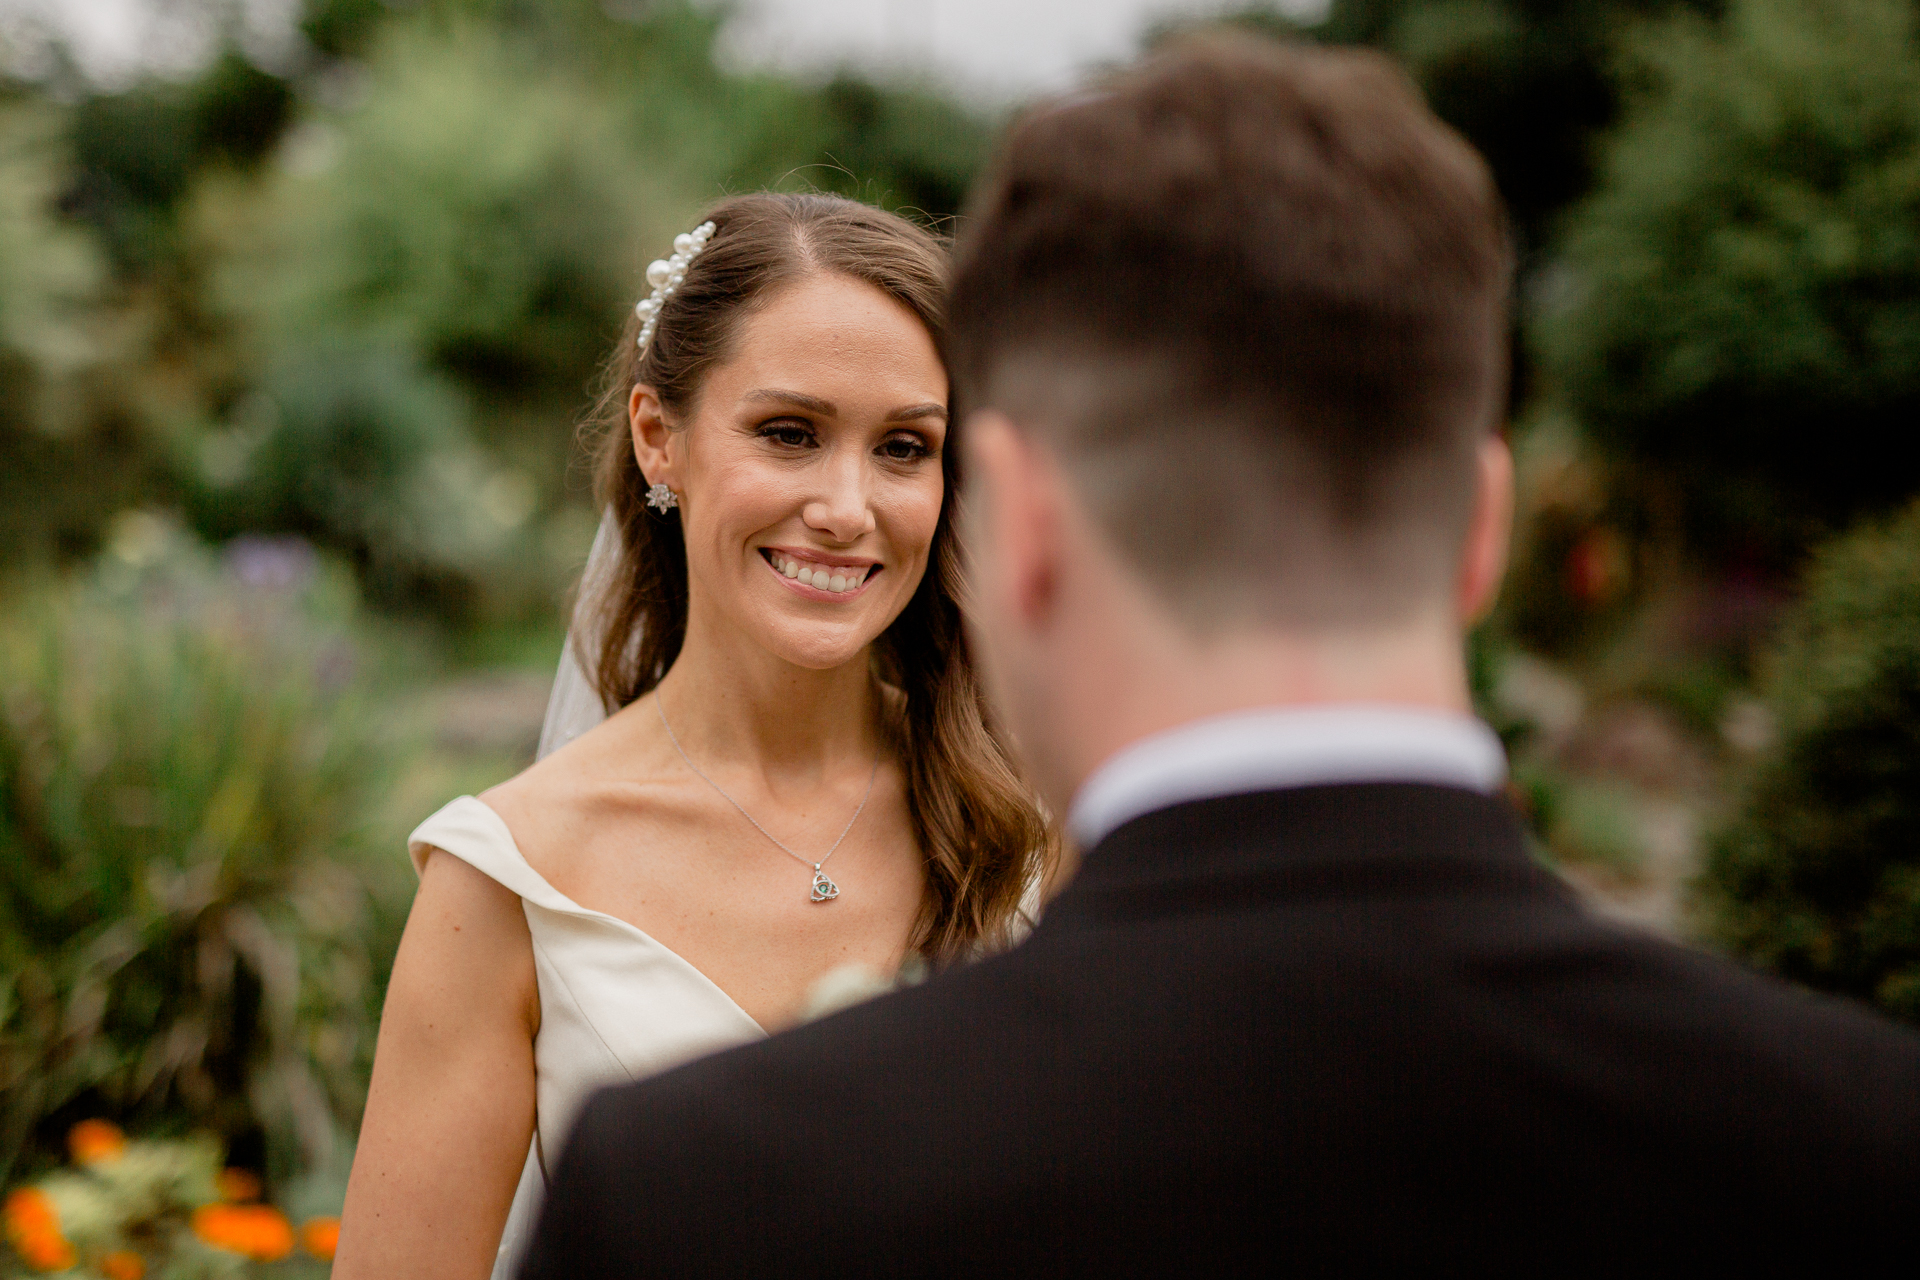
column 983, row 838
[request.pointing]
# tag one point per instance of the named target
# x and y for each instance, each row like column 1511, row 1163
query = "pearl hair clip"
column 665, row 275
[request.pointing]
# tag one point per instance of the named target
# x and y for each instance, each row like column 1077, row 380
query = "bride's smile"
column 832, row 578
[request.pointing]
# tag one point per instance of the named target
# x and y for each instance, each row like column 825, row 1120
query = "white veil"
column 574, row 707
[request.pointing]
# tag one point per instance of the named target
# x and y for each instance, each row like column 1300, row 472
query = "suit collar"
column 1266, row 748
column 1351, row 839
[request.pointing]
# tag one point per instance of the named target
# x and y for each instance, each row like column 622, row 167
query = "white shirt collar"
column 1267, row 749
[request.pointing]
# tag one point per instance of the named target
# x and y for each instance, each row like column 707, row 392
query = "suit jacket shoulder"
column 1332, row 1023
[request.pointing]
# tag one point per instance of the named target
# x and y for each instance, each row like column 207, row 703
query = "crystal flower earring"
column 662, row 499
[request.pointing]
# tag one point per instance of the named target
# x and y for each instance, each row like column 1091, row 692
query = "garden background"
column 293, row 350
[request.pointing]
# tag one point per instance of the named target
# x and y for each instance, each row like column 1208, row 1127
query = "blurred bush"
column 1740, row 327
column 1818, row 877
column 357, row 448
column 1580, row 821
column 197, row 903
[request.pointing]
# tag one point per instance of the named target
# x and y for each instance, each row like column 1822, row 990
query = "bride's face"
column 809, row 472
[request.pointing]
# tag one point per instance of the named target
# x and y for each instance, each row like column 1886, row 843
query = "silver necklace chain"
column 824, row 889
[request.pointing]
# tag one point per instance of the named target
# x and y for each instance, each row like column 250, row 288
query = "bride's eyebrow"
column 914, row 412
column 812, row 404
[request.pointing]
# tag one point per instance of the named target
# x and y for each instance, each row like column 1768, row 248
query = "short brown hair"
column 1254, row 295
column 983, row 838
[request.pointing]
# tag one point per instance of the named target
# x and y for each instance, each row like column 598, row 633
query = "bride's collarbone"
column 747, row 922
column 668, row 859
column 731, row 873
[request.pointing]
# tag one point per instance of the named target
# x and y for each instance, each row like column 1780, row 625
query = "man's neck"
column 1165, row 679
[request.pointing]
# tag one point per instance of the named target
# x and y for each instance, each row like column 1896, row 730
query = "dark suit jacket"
column 1293, row 1029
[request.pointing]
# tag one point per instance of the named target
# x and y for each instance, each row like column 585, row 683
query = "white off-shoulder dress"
column 615, row 1005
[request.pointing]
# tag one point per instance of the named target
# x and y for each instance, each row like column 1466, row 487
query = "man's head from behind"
column 1247, row 302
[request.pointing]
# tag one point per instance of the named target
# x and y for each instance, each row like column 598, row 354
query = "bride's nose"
column 840, row 509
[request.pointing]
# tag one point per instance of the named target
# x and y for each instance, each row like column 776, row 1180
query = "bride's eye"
column 793, row 435
column 905, row 448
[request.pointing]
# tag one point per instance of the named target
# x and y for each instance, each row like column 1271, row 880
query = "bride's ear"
column 656, row 447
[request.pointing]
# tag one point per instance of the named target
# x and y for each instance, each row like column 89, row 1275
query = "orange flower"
column 33, row 1228
column 255, row 1231
column 96, row 1142
column 123, row 1265
column 238, row 1186
column 321, row 1236
column 30, row 1209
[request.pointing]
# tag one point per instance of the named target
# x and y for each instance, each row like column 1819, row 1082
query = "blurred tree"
column 1817, row 877
column 1742, row 325
column 136, row 153
column 479, row 211
column 68, row 457
column 1529, row 82
column 717, row 130
column 902, row 149
column 103, row 339
column 473, row 205
column 341, row 28
column 425, row 280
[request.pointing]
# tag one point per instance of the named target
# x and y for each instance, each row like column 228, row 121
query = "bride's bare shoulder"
column 555, row 803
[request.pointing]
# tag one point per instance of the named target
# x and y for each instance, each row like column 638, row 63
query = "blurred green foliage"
column 1529, row 82
column 1585, row 822
column 362, row 298
column 197, row 899
column 355, row 447
column 475, row 207
column 137, row 153
column 67, row 461
column 1818, row 876
column 1741, row 326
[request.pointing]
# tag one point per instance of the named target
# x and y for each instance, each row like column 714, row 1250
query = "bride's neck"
column 735, row 701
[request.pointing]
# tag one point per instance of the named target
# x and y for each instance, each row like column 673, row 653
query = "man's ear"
column 1014, row 511
column 1483, row 557
column 656, row 448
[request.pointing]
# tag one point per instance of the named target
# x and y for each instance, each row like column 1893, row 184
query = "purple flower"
column 271, row 564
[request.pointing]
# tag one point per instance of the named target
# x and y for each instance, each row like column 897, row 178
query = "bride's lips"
column 811, row 566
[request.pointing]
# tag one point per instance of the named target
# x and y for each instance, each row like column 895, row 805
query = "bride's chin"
column 815, row 647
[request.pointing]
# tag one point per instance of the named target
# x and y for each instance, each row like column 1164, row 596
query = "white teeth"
column 838, row 580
